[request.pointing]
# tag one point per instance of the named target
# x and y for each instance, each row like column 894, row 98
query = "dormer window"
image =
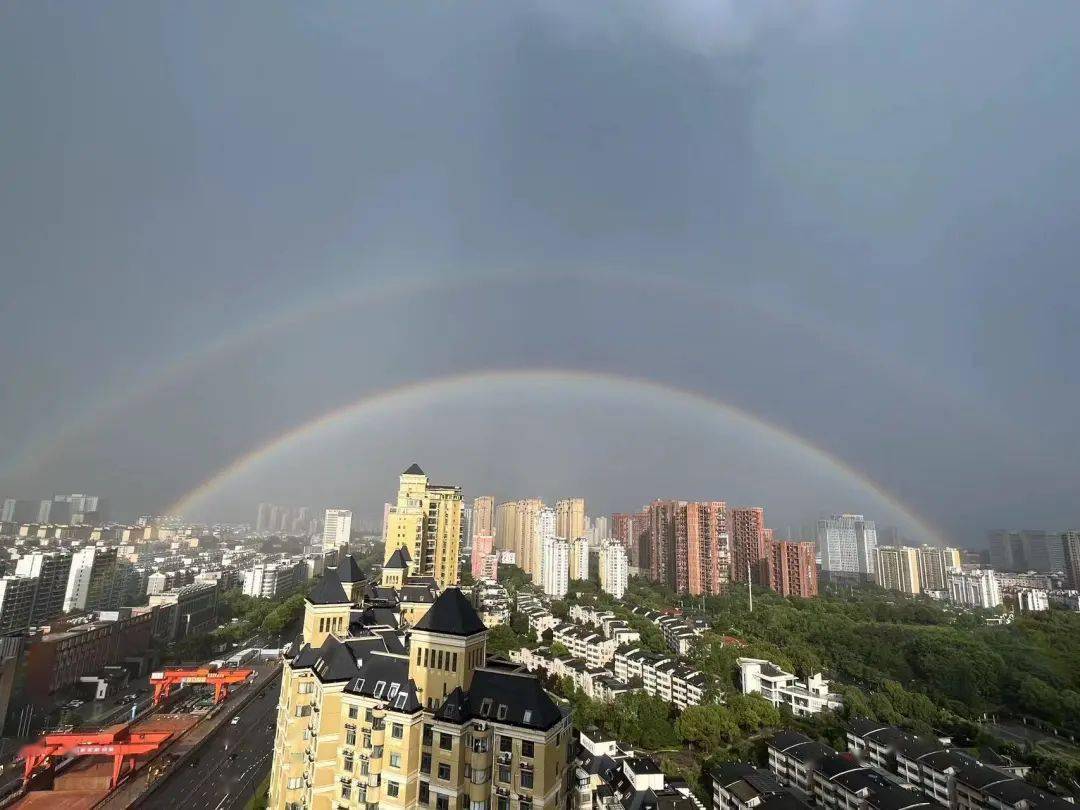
column 485, row 707
column 380, row 687
column 501, row 714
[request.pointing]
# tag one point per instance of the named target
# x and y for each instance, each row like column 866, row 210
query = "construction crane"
column 220, row 679
column 119, row 742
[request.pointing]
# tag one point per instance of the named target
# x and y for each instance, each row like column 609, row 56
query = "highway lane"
column 216, row 782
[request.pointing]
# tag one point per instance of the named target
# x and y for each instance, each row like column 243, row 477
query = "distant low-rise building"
column 977, row 588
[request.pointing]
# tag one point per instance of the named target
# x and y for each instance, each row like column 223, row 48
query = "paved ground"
column 216, row 782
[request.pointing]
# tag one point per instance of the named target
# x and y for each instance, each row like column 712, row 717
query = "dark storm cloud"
column 899, row 183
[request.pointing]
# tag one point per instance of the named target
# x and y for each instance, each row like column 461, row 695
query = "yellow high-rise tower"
column 426, row 520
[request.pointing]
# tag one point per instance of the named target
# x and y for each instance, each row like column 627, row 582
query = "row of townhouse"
column 680, row 632
column 741, row 786
column 662, row 677
column 596, row 682
column 889, row 769
column 610, row 625
column 539, row 617
column 950, row 775
column 838, row 781
column 493, row 603
column 589, row 645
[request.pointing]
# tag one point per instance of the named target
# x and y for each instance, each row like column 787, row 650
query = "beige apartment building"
column 371, row 717
column 898, row 569
column 426, row 521
column 483, row 516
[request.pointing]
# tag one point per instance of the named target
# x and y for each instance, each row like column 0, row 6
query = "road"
column 216, row 782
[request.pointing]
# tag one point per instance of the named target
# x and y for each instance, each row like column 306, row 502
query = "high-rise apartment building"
column 748, row 544
column 1026, row 550
column 579, row 558
column 506, row 527
column 688, row 545
column 16, row 602
column 978, row 588
column 92, row 580
column 483, row 547
column 483, row 516
column 365, row 720
column 544, row 530
column 600, row 529
column 898, row 569
column 426, row 520
column 847, row 543
column 466, row 530
column 337, row 527
column 556, row 570
column 51, row 569
column 529, row 550
column 792, row 568
column 614, row 569
column 935, row 565
column 1070, row 554
column 570, row 518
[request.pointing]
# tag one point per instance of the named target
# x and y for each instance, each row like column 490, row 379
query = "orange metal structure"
column 220, row 679
column 119, row 742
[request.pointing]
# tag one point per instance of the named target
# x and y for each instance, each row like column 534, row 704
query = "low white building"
column 614, row 569
column 662, row 677
column 781, row 688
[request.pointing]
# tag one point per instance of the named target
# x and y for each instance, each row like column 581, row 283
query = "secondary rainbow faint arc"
column 37, row 452
column 478, row 378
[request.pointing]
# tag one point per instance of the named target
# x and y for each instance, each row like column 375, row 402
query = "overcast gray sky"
column 855, row 221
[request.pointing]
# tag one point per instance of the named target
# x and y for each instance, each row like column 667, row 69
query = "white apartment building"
column 556, row 568
column 781, row 688
column 589, row 645
column 269, row 580
column 91, row 581
column 579, row 558
column 614, row 568
column 978, row 588
column 543, row 531
column 847, row 543
column 1033, row 600
column 337, row 526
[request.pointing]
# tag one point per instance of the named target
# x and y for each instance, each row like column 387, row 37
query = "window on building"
column 395, row 760
column 303, row 711
column 526, row 777
column 444, row 771
column 442, row 802
column 446, row 742
column 427, row 734
column 504, row 773
column 305, row 687
column 503, row 803
column 347, row 761
column 354, row 712
column 424, row 794
column 453, row 662
column 425, row 763
column 397, row 731
column 506, row 744
column 524, row 804
column 350, row 735
column 393, row 789
column 485, row 707
column 295, row 783
column 380, row 687
column 346, row 788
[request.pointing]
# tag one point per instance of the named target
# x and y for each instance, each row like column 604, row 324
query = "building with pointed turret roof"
column 376, row 715
column 426, row 522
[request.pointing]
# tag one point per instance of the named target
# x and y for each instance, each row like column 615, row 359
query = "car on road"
column 76, row 703
column 235, row 720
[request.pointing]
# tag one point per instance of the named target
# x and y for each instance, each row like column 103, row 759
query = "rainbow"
column 420, row 391
column 38, row 450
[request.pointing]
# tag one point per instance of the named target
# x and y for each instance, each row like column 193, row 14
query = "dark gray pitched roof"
column 455, row 708
column 414, row 469
column 386, row 677
column 451, row 614
column 305, row 658
column 349, row 570
column 399, row 560
column 518, row 699
column 328, row 590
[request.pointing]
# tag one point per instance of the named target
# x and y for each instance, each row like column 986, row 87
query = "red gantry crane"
column 119, row 742
column 220, row 679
